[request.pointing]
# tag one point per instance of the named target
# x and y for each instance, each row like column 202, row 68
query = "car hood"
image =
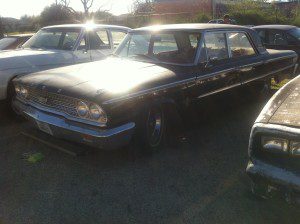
column 101, row 80
column 23, row 58
column 284, row 107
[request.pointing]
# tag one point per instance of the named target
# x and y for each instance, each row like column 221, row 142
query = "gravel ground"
column 200, row 180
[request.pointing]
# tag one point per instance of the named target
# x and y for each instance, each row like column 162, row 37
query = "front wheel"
column 151, row 129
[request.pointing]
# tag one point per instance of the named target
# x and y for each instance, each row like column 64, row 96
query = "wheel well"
column 10, row 88
column 170, row 108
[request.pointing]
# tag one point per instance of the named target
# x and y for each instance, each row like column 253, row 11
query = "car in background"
column 57, row 46
column 274, row 148
column 154, row 72
column 280, row 37
column 14, row 41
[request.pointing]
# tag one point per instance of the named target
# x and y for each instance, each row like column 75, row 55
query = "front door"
column 82, row 53
column 219, row 72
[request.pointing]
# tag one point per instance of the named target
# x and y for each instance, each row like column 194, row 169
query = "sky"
column 18, row 8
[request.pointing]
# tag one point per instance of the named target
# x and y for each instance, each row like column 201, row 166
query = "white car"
column 58, row 46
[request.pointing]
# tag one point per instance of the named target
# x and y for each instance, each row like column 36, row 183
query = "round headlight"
column 97, row 113
column 82, row 109
column 23, row 92
column 17, row 89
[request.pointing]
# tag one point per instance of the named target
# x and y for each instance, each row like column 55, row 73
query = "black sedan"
column 280, row 37
column 274, row 147
column 14, row 41
column 155, row 70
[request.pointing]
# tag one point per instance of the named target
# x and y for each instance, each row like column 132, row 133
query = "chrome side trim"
column 148, row 91
column 252, row 64
column 144, row 92
column 275, row 59
column 215, row 73
column 219, row 90
column 268, row 74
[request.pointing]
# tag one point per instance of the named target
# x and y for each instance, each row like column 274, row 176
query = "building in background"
column 179, row 6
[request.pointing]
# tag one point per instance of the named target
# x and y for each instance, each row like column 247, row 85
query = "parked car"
column 14, row 41
column 57, row 46
column 280, row 37
column 155, row 70
column 274, row 147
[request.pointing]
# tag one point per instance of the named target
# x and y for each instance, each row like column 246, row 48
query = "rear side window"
column 216, row 46
column 164, row 43
column 276, row 37
column 262, row 35
column 240, row 45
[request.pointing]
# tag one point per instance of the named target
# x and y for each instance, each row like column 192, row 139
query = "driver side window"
column 83, row 44
column 99, row 40
column 69, row 41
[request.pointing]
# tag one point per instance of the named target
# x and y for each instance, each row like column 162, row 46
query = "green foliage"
column 35, row 158
column 202, row 18
column 258, row 13
column 56, row 14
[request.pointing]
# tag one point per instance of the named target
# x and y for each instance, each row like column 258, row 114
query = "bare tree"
column 87, row 4
column 65, row 3
column 143, row 6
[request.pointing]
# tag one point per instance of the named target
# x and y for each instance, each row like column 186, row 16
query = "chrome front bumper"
column 62, row 128
column 261, row 171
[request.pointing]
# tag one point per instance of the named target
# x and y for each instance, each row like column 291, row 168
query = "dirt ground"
column 200, row 180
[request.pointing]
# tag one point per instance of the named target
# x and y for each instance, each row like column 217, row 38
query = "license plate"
column 44, row 127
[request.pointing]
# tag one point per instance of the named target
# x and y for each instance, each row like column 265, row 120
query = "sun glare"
column 90, row 24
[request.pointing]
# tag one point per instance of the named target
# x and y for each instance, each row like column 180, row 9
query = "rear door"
column 247, row 59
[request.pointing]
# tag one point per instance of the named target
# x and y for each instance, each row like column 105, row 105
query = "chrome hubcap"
column 155, row 125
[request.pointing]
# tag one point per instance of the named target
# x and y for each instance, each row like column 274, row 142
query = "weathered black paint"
column 95, row 81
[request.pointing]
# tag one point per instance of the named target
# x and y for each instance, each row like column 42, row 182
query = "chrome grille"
column 57, row 102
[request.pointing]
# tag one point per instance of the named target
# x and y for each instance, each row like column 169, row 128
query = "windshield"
column 295, row 33
column 53, row 39
column 176, row 47
column 5, row 42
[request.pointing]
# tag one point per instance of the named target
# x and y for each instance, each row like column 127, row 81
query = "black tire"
column 8, row 102
column 259, row 190
column 151, row 128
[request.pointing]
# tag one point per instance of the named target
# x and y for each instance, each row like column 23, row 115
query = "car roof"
column 189, row 26
column 82, row 26
column 21, row 35
column 274, row 26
